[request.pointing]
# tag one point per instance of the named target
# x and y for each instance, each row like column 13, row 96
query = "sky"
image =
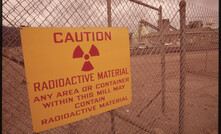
column 211, row 4
column 89, row 13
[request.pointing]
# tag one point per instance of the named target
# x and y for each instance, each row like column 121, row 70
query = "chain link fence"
column 174, row 64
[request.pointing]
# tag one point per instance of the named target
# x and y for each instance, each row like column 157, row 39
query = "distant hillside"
column 10, row 37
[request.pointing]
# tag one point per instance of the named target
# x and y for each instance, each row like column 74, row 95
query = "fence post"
column 162, row 48
column 109, row 13
column 139, row 32
column 182, row 65
column 112, row 122
column 110, row 25
column 206, row 61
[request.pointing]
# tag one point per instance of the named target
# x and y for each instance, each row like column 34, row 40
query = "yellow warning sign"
column 75, row 73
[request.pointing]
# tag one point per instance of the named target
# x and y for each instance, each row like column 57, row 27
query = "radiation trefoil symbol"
column 78, row 53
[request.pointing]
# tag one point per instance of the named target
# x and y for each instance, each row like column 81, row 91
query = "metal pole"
column 112, row 123
column 109, row 13
column 162, row 58
column 206, row 60
column 139, row 32
column 110, row 25
column 182, row 65
column 144, row 4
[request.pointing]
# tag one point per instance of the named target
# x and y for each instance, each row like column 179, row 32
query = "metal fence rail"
column 174, row 64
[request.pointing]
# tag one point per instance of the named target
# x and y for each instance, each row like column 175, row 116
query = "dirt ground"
column 144, row 114
column 201, row 92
